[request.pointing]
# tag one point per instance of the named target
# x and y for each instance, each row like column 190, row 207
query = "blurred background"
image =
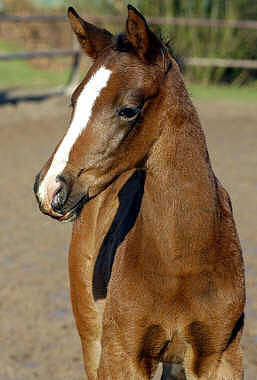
column 207, row 29
column 39, row 66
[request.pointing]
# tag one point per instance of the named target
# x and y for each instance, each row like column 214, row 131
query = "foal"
column 156, row 271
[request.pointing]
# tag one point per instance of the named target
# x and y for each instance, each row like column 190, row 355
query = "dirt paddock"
column 37, row 332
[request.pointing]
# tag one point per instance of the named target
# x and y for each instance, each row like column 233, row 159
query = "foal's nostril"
column 60, row 198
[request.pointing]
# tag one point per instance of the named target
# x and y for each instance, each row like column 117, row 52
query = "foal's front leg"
column 120, row 360
column 86, row 311
column 116, row 363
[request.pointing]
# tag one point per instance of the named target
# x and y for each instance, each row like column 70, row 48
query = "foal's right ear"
column 91, row 38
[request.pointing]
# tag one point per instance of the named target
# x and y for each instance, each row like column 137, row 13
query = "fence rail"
column 240, row 24
column 193, row 61
column 39, row 54
column 219, row 62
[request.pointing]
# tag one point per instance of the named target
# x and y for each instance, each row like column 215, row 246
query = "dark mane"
column 123, row 45
column 169, row 46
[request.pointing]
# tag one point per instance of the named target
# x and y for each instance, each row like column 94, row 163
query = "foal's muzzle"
column 55, row 198
column 58, row 201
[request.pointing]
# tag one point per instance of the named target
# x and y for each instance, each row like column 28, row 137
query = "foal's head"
column 114, row 118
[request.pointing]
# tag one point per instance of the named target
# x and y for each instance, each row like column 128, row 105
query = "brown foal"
column 156, row 270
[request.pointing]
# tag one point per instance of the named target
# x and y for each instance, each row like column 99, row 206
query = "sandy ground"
column 37, row 332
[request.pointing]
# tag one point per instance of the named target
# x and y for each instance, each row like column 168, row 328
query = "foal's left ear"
column 144, row 41
column 91, row 38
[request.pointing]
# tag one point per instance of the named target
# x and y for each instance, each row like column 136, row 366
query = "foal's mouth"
column 67, row 215
column 74, row 212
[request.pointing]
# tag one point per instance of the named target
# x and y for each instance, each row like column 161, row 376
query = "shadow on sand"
column 14, row 96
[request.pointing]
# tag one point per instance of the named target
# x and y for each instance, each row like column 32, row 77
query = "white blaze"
column 83, row 111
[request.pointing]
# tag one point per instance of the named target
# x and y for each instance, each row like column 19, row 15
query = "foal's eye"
column 128, row 112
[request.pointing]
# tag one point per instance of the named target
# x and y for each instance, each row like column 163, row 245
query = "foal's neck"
column 179, row 178
column 180, row 151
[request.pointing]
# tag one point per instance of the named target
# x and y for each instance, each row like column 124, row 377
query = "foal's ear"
column 91, row 38
column 144, row 41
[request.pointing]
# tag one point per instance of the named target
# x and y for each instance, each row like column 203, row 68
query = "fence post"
column 74, row 73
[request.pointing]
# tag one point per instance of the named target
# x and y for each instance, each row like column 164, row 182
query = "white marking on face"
column 82, row 114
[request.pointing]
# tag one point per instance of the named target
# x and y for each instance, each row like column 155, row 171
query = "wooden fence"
column 240, row 24
column 75, row 53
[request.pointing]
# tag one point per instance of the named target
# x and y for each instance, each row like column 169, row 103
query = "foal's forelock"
column 83, row 111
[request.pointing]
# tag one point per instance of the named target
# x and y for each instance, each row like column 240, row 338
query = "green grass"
column 20, row 73
column 215, row 92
